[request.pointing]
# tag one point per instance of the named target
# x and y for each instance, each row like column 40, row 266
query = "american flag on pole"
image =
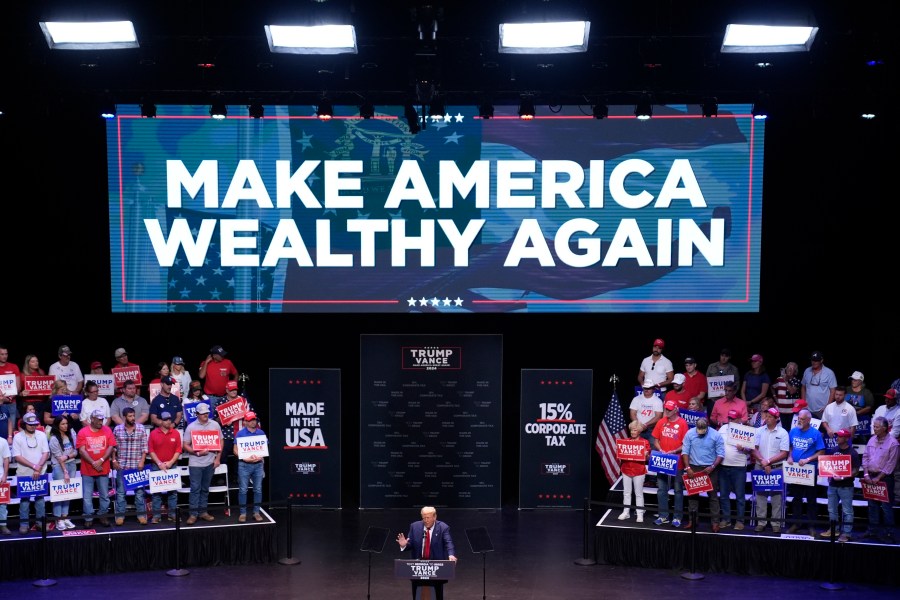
column 611, row 428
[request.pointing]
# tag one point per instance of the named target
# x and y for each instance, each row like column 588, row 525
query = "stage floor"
column 537, row 556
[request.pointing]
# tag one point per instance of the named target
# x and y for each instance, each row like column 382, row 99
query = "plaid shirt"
column 131, row 447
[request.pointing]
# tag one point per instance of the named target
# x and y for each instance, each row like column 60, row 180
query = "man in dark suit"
column 429, row 539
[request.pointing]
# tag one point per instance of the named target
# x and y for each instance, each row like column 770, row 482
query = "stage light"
column 643, row 110
column 486, row 110
column 748, row 39
column 218, row 110
column 412, row 118
column 710, row 107
column 436, row 108
column 256, row 110
column 544, row 38
column 526, row 109
column 317, row 39
column 325, row 110
column 366, row 110
column 148, row 110
column 600, row 111
column 108, row 110
column 760, row 110
column 86, row 35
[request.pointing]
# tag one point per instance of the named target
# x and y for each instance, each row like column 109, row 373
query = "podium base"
column 44, row 582
column 177, row 572
column 585, row 561
column 288, row 561
column 693, row 576
column 832, row 587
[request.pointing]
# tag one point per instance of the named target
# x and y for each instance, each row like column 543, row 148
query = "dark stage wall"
column 828, row 278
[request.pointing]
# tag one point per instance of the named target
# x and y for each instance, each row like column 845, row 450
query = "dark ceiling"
column 667, row 48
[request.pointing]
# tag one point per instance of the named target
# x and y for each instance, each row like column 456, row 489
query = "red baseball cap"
column 798, row 405
column 231, row 385
column 671, row 405
column 774, row 411
column 659, row 342
column 249, row 415
column 732, row 414
column 843, row 433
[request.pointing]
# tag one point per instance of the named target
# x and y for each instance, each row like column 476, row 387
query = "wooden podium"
column 428, row 576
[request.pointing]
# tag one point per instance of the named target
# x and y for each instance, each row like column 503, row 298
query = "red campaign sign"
column 875, row 491
column 232, row 411
column 630, row 450
column 205, row 440
column 123, row 374
column 38, row 385
column 698, row 483
column 836, row 465
column 4, row 493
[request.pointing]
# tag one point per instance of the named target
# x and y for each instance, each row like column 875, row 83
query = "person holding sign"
column 227, row 411
column 704, row 450
column 668, row 435
column 429, row 539
column 164, row 447
column 878, row 464
column 647, row 409
column 31, row 451
column 806, row 447
column 633, row 472
column 63, row 453
column 250, row 467
column 8, row 398
column 840, row 488
column 131, row 452
column 728, row 402
column 839, row 414
column 203, row 441
column 95, row 444
column 771, row 446
column 733, row 476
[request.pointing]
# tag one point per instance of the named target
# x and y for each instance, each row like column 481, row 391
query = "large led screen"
column 563, row 213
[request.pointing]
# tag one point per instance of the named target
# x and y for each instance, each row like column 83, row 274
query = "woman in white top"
column 181, row 375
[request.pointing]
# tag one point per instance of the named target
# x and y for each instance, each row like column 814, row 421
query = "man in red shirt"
column 678, row 393
column 668, row 435
column 695, row 383
column 216, row 371
column 728, row 402
column 8, row 401
column 165, row 450
column 95, row 444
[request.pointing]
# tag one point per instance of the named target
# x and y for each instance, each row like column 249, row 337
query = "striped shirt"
column 131, row 447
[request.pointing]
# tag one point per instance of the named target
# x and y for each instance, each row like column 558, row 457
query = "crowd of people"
column 796, row 418
column 116, row 431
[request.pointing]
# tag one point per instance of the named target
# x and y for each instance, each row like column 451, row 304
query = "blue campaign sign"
column 767, row 482
column 26, row 486
column 663, row 463
column 65, row 404
column 190, row 412
column 135, row 479
column 691, row 416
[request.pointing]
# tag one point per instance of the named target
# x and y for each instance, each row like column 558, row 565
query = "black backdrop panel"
column 556, row 438
column 430, row 409
column 305, row 436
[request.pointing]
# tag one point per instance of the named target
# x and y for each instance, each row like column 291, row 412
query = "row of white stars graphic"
column 434, row 301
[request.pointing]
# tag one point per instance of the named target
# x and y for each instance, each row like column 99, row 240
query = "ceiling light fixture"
column 526, row 109
column 89, row 35
column 748, row 39
column 316, row 39
column 108, row 110
column 643, row 110
column 325, row 110
column 760, row 110
column 256, row 110
column 218, row 110
column 544, row 38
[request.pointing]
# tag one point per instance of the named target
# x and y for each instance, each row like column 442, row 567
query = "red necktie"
column 426, row 550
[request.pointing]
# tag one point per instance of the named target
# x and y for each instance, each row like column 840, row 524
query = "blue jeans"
column 201, row 477
column 248, row 472
column 157, row 499
column 844, row 495
column 89, row 482
column 733, row 479
column 881, row 514
column 61, row 509
column 25, row 507
column 663, row 483
column 121, row 504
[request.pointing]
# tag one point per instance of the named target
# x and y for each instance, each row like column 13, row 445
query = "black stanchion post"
column 177, row 571
column 44, row 581
column 585, row 558
column 289, row 559
column 832, row 547
column 692, row 574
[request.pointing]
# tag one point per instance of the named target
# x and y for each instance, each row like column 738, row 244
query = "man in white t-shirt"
column 839, row 414
column 67, row 370
column 647, row 409
column 657, row 368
